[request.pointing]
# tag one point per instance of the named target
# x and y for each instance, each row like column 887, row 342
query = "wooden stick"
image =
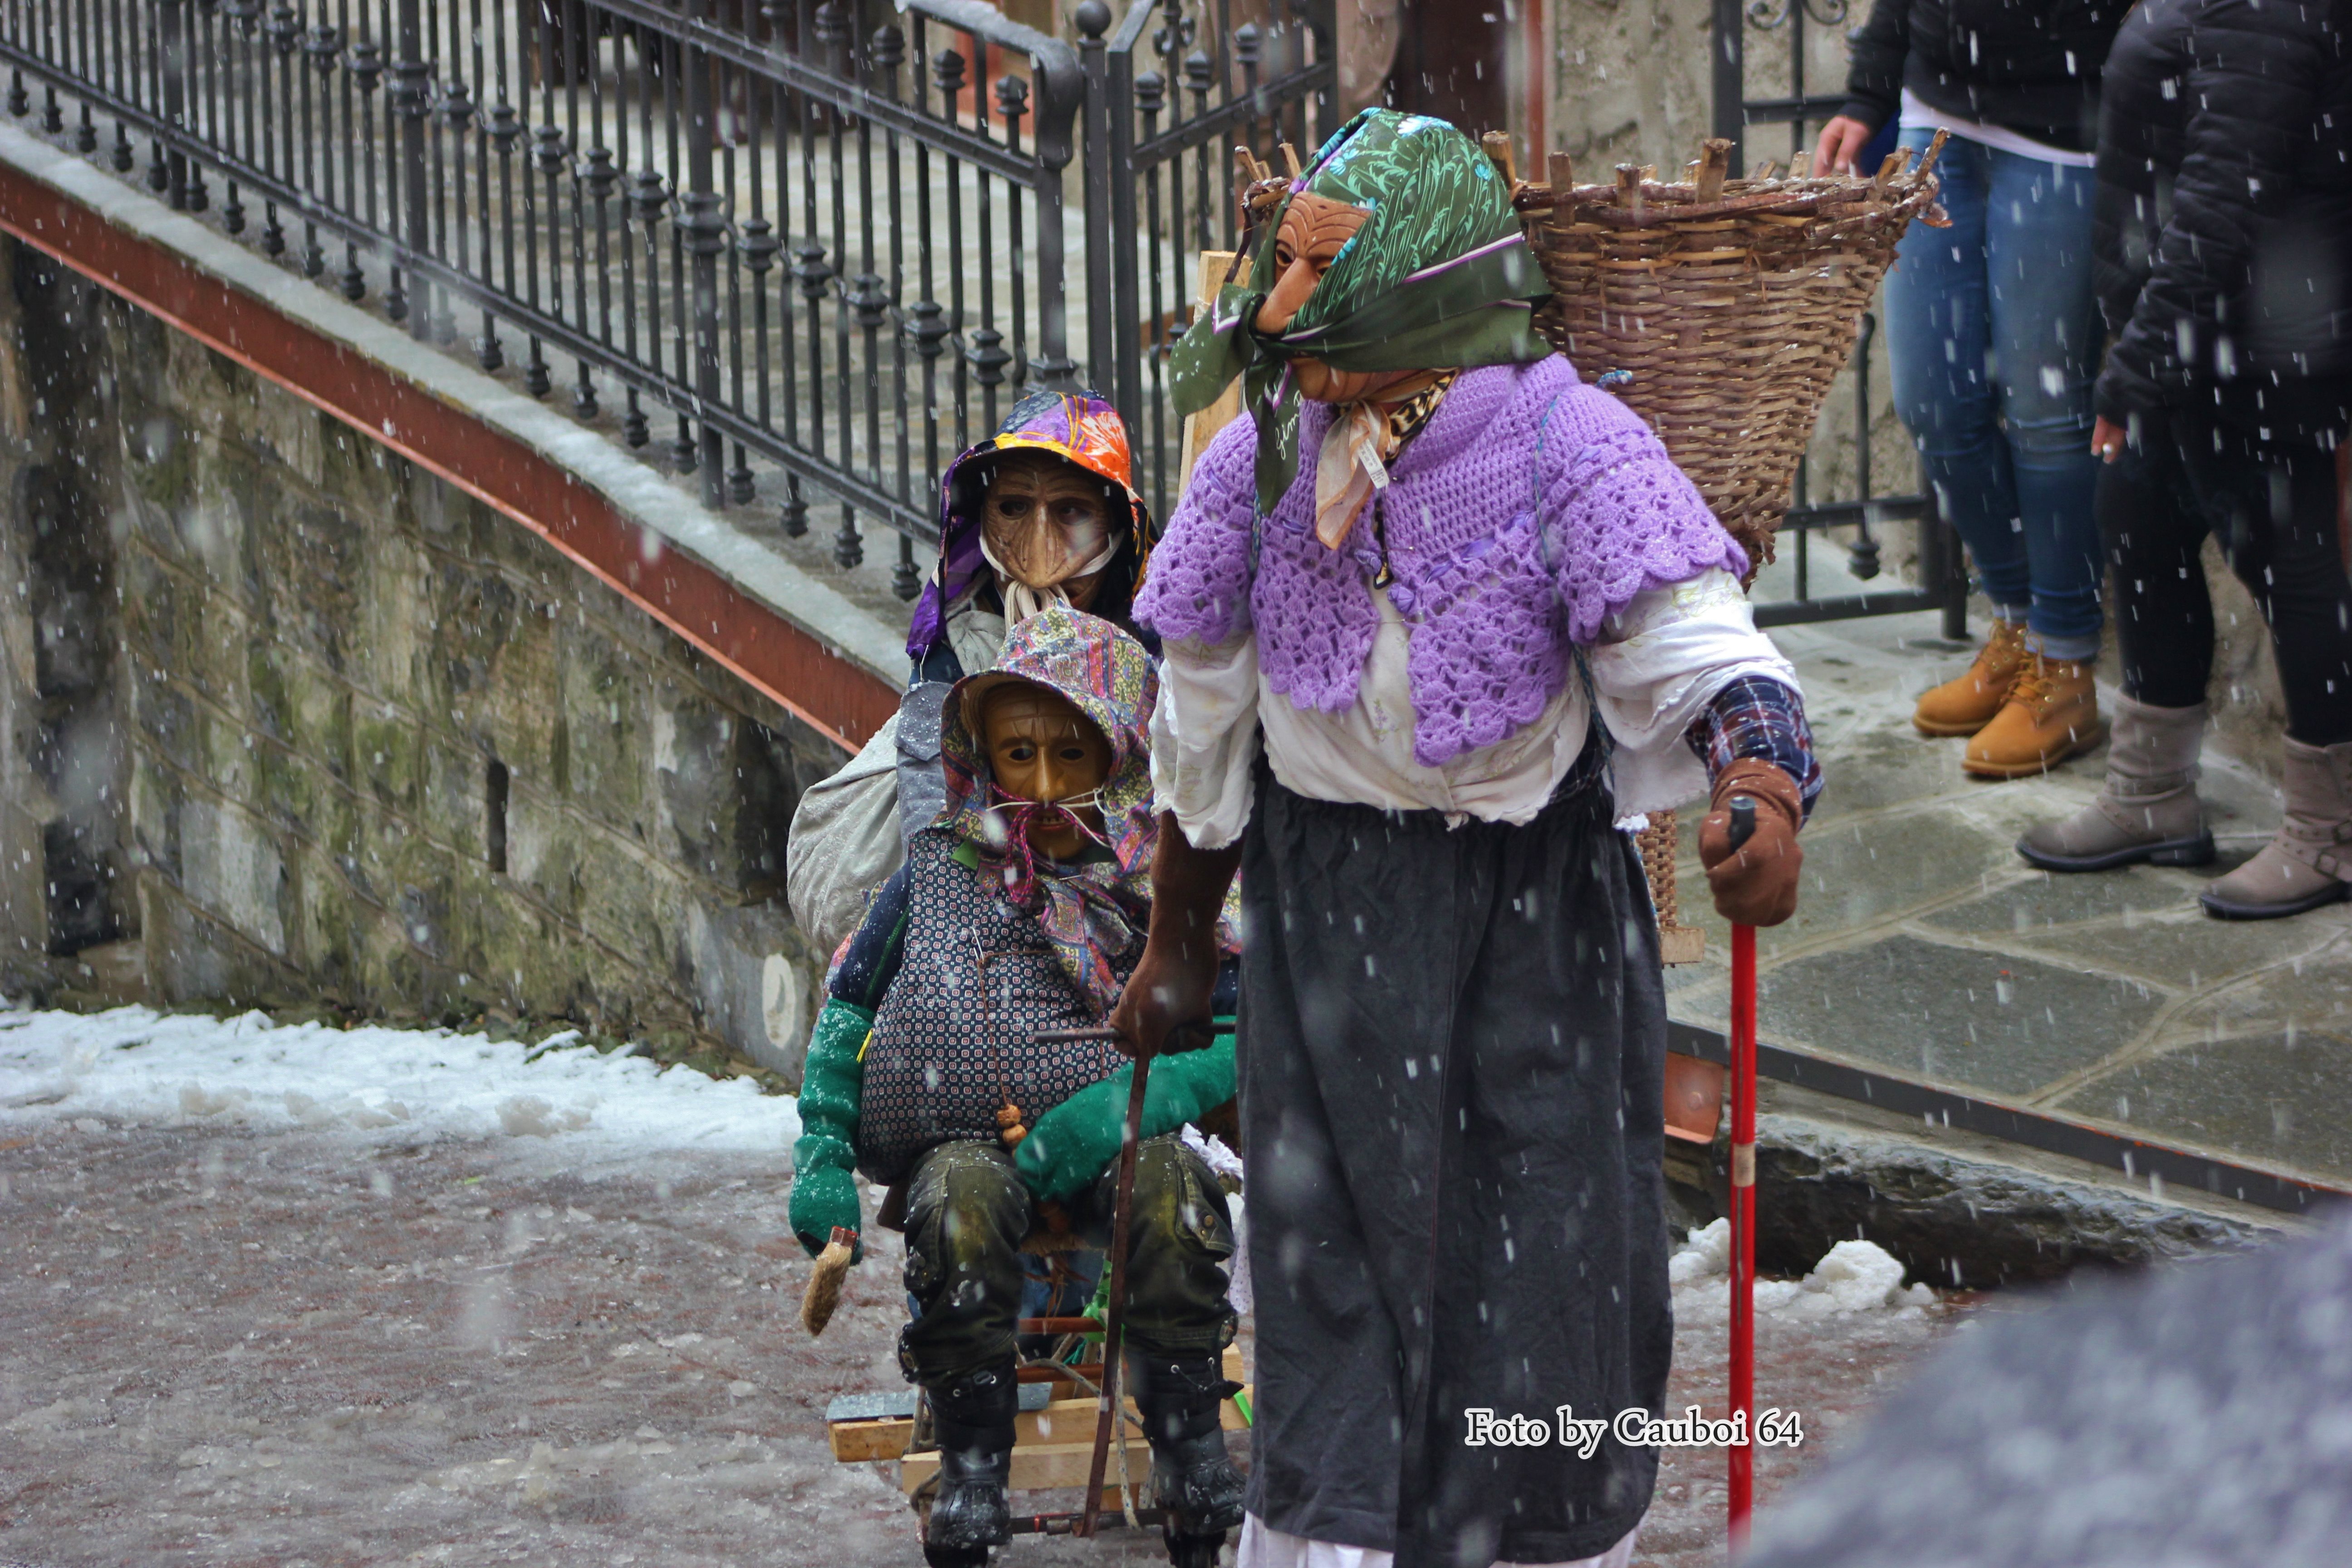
column 1713, row 168
column 1629, row 188
column 1498, row 148
column 1561, row 168
column 1289, row 156
column 1115, row 1301
column 826, row 1281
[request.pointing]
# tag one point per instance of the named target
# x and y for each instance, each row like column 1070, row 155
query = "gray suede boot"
column 2306, row 862
column 2146, row 810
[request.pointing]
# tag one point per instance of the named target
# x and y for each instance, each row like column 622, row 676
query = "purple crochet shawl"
column 1531, row 508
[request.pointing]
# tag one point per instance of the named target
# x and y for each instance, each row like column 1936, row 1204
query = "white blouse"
column 1656, row 666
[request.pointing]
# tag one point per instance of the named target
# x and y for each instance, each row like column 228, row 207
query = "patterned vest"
column 952, row 1039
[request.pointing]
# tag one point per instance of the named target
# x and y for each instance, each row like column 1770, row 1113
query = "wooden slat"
column 860, row 1442
column 1041, row 1466
column 1202, row 427
column 857, row 1442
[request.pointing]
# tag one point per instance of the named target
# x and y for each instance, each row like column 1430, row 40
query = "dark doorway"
column 1451, row 60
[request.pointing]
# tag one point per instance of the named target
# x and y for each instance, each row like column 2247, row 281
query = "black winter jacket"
column 2222, row 232
column 2027, row 66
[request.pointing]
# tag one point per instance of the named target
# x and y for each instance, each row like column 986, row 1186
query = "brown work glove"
column 1757, row 884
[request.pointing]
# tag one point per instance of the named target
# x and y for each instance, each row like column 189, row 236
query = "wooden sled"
column 1053, row 1436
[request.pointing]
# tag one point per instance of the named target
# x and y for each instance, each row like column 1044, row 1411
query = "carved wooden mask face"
column 1313, row 230
column 1041, row 747
column 1045, row 518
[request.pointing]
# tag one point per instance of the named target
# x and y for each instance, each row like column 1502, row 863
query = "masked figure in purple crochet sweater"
column 1436, row 620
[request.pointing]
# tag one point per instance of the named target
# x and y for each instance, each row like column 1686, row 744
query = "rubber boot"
column 2148, row 810
column 973, row 1416
column 2306, row 862
column 1967, row 703
column 1180, row 1399
column 2051, row 713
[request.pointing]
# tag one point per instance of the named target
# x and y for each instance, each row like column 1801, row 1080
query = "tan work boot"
column 1965, row 705
column 2306, row 863
column 2051, row 713
column 2147, row 809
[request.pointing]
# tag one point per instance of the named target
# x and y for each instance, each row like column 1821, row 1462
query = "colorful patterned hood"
column 1081, row 427
column 1093, row 911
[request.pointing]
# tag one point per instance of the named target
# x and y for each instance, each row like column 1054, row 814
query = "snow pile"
column 137, row 1066
column 1851, row 1277
column 1706, row 1255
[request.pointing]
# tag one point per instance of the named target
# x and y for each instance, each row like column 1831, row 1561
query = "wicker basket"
column 1728, row 306
column 1719, row 311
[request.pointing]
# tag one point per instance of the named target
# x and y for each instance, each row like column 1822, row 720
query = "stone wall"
column 285, row 719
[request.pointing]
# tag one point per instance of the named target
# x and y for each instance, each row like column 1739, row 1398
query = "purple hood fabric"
column 1530, row 508
column 1079, row 427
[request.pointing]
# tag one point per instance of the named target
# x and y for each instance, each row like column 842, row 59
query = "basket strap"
column 1535, row 486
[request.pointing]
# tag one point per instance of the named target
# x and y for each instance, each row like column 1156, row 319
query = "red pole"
column 1742, row 1454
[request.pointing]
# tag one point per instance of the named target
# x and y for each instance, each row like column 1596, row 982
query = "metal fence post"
column 1126, row 232
column 1944, row 567
column 172, row 25
column 1109, row 223
column 1062, row 97
column 1727, row 54
column 412, row 97
column 704, row 227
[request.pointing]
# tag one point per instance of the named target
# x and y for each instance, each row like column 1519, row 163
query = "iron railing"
column 831, row 239
column 838, row 249
column 1168, row 178
column 1943, row 571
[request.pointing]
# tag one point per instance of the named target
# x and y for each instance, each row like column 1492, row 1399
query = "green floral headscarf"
column 1439, row 277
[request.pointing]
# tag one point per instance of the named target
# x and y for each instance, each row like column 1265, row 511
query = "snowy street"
column 304, row 1296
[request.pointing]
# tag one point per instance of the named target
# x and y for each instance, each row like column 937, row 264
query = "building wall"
column 299, row 721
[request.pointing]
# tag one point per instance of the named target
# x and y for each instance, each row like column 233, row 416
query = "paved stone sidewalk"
column 1925, row 947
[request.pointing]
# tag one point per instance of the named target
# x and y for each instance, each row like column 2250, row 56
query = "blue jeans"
column 1993, row 332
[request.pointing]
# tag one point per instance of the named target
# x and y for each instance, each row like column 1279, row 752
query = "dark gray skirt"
column 1452, row 1050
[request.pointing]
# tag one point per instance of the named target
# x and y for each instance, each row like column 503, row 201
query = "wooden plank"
column 1042, row 1467
column 856, row 1441
column 1202, row 427
column 860, row 1442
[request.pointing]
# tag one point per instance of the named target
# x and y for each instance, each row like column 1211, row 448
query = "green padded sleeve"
column 824, row 1158
column 1074, row 1142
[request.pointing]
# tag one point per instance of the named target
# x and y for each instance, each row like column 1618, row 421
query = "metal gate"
column 1169, row 131
column 830, row 239
column 1781, row 25
column 803, row 250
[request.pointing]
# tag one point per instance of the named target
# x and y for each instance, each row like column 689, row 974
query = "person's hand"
column 2108, row 439
column 1755, row 884
column 1172, row 987
column 1843, row 140
column 1174, row 982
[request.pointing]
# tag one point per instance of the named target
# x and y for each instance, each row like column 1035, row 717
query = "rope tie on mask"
column 1021, row 600
column 1018, row 816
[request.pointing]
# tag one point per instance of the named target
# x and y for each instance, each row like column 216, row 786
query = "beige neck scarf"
column 1357, row 450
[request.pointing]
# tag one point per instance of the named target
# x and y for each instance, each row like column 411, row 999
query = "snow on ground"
column 300, row 1296
column 141, row 1068
column 1855, row 1276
